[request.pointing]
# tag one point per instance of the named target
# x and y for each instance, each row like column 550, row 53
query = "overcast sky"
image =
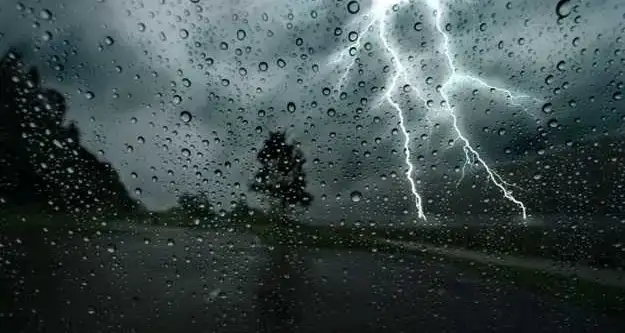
column 133, row 72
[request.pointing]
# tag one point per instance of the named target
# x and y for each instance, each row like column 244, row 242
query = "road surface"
column 176, row 280
column 606, row 277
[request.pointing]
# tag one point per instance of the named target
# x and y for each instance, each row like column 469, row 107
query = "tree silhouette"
column 41, row 160
column 281, row 176
column 196, row 204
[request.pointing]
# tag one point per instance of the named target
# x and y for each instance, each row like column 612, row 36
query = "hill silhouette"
column 42, row 163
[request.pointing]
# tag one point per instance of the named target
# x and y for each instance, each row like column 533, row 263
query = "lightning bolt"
column 377, row 15
column 468, row 149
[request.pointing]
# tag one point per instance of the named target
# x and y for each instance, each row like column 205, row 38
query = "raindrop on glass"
column 185, row 116
column 353, row 7
column 547, row 108
column 108, row 40
column 291, row 107
column 553, row 123
column 563, row 8
column 241, row 34
column 45, row 14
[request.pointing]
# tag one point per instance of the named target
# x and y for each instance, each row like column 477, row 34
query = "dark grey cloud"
column 208, row 58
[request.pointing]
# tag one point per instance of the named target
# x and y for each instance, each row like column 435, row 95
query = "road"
column 169, row 279
column 606, row 277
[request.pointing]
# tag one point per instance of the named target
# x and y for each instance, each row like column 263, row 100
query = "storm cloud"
column 177, row 95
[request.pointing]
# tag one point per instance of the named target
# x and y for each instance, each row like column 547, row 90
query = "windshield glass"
column 312, row 166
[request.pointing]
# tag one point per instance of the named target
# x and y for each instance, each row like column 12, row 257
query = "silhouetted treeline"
column 42, row 163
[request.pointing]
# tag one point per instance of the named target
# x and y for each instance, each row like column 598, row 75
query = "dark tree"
column 197, row 204
column 281, row 175
column 42, row 162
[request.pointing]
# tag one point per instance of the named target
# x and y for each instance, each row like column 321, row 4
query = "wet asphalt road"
column 175, row 280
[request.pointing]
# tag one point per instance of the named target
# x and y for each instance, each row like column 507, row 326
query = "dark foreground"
column 168, row 280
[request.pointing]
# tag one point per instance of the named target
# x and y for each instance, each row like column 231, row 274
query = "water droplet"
column 281, row 63
column 186, row 152
column 141, row 26
column 141, row 139
column 291, row 107
column 47, row 36
column 353, row 7
column 241, row 34
column 553, row 123
column 184, row 33
column 45, row 14
column 177, row 99
column 356, row 196
column 108, row 40
column 223, row 46
column 185, row 116
column 563, row 8
column 418, row 26
column 547, row 108
column 138, row 191
column 561, row 65
column 353, row 36
column 331, row 112
column 549, row 79
column 263, row 66
column 89, row 95
column 617, row 96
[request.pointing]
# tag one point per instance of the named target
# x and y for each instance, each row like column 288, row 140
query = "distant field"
column 584, row 245
column 593, row 244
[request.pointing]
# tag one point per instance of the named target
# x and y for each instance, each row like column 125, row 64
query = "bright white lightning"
column 377, row 14
column 468, row 149
column 413, row 187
